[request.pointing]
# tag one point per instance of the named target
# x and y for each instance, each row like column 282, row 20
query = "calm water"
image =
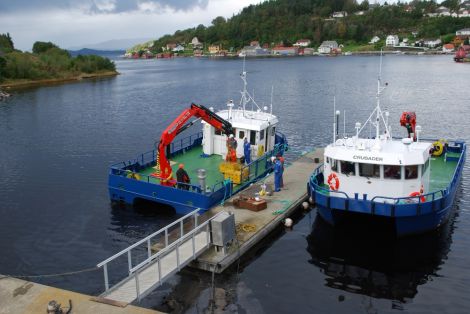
column 56, row 143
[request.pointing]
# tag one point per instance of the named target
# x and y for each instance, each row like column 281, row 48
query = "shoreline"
column 18, row 84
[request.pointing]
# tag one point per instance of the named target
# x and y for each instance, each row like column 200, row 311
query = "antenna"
column 334, row 120
column 272, row 92
column 344, row 123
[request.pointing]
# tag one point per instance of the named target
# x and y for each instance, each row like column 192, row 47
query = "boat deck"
column 442, row 172
column 193, row 160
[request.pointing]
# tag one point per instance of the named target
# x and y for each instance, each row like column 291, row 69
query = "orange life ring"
column 333, row 181
column 422, row 198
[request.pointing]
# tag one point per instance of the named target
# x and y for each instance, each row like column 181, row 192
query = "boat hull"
column 405, row 216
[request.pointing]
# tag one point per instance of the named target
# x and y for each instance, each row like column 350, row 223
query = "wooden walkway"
column 280, row 205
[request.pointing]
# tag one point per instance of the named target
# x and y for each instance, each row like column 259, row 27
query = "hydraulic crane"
column 164, row 171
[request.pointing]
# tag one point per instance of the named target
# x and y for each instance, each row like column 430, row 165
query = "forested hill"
column 276, row 21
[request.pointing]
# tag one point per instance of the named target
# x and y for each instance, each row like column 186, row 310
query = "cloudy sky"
column 73, row 23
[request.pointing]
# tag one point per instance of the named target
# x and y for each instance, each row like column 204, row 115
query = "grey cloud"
column 93, row 6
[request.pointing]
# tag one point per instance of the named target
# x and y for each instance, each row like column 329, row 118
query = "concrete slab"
column 19, row 296
column 252, row 227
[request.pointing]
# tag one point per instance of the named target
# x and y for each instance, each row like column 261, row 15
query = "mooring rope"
column 52, row 275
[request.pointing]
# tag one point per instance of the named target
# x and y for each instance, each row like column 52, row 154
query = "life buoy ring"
column 422, row 198
column 333, row 181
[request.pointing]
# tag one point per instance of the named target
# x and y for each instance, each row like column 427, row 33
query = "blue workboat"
column 407, row 183
column 231, row 151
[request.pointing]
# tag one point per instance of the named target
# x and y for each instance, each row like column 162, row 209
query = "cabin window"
column 273, row 131
column 392, row 172
column 241, row 135
column 369, row 170
column 218, row 132
column 253, row 137
column 348, row 168
column 334, row 165
column 411, row 172
column 261, row 135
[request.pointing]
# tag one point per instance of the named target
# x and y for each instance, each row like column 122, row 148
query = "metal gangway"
column 147, row 269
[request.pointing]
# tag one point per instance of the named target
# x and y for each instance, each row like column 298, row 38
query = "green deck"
column 442, row 172
column 192, row 161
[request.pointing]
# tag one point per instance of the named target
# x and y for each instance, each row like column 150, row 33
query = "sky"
column 75, row 23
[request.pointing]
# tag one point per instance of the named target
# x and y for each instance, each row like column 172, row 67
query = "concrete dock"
column 253, row 227
column 19, row 296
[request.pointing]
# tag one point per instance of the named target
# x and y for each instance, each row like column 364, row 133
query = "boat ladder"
column 176, row 247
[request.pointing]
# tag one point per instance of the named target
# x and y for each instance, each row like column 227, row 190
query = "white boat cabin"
column 379, row 166
column 259, row 127
column 386, row 167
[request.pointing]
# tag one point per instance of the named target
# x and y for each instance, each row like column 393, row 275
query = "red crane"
column 408, row 120
column 164, row 171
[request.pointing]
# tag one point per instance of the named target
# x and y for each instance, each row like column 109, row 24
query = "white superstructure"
column 378, row 166
column 257, row 125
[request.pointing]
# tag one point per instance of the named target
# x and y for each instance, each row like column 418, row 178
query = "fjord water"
column 56, row 143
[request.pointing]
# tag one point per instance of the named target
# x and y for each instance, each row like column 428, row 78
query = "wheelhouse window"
column 261, row 135
column 411, row 172
column 392, row 172
column 348, row 168
column 369, row 170
column 334, row 165
column 273, row 131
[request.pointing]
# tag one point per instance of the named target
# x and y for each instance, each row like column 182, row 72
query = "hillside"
column 286, row 21
column 47, row 63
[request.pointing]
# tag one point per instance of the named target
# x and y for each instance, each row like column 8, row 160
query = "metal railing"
column 148, row 242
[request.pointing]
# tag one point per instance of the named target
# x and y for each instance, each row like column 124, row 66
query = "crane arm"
column 164, row 171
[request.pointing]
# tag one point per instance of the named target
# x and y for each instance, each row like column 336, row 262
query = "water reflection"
column 375, row 264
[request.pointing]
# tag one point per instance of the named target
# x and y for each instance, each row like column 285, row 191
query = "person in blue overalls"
column 277, row 174
column 247, row 151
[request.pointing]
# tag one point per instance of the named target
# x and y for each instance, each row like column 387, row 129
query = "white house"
column 374, row 40
column 463, row 32
column 196, row 43
column 302, row 43
column 443, row 11
column 392, row 40
column 432, row 43
column 464, row 12
column 339, row 14
column 404, row 42
column 448, row 48
column 178, row 48
column 327, row 46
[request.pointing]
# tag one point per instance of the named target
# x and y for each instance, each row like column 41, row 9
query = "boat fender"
column 288, row 223
column 305, row 205
column 437, row 148
column 333, row 181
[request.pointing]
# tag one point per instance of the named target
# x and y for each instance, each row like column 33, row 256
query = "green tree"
column 41, row 47
column 6, row 43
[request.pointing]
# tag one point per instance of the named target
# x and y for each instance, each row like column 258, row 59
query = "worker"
column 281, row 159
column 182, row 178
column 231, row 149
column 277, row 174
column 247, row 151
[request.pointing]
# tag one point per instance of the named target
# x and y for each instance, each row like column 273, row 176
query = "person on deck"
column 247, row 151
column 182, row 177
column 231, row 149
column 281, row 159
column 277, row 174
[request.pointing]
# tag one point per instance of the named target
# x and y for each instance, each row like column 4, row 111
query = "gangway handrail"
column 134, row 271
column 180, row 221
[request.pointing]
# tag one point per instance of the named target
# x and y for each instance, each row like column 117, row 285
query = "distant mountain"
column 103, row 53
column 114, row 44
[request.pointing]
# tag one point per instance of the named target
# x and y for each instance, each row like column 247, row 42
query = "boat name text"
column 371, row 158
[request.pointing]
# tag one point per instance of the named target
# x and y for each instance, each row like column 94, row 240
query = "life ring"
column 422, row 198
column 333, row 181
column 437, row 148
